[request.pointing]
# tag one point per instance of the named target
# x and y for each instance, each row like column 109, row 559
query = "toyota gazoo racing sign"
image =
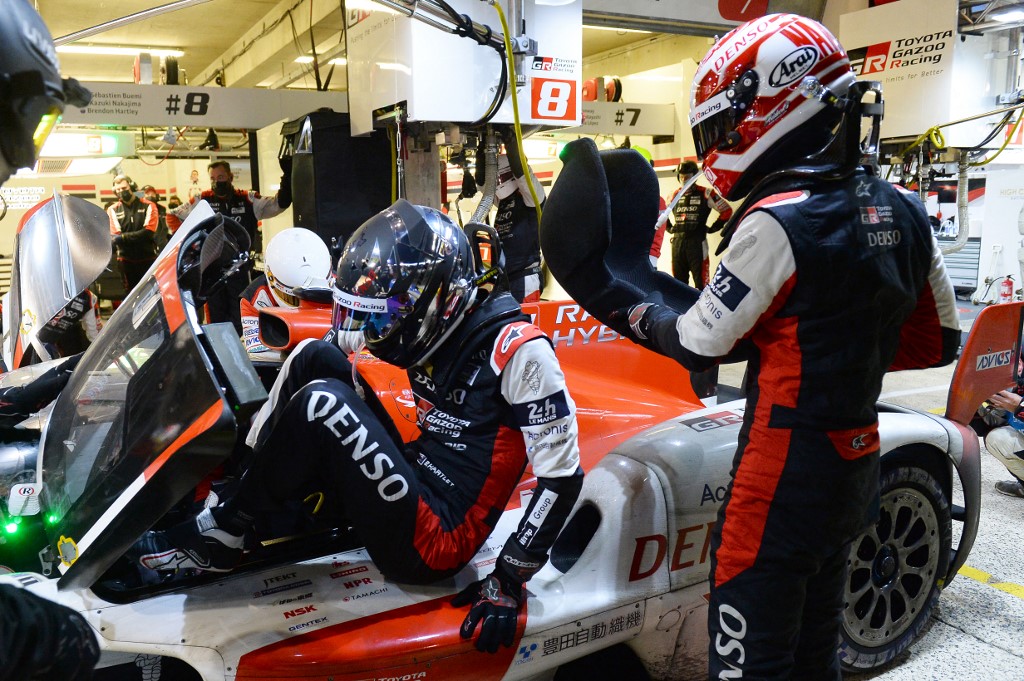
column 913, row 52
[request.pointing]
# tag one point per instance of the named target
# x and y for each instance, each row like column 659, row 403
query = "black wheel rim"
column 892, row 569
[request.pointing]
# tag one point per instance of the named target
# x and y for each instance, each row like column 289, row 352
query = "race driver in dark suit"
column 831, row 278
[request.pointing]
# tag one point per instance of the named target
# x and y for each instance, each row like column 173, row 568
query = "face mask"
column 125, row 195
column 221, row 188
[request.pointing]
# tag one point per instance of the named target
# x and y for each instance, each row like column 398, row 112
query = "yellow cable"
column 319, row 496
column 515, row 108
column 1009, row 137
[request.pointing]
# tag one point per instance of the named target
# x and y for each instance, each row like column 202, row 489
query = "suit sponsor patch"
column 728, row 288
column 544, row 410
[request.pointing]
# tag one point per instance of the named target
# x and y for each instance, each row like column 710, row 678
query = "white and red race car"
column 160, row 401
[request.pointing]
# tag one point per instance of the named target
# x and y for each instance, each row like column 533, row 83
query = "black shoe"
column 198, row 543
column 1011, row 488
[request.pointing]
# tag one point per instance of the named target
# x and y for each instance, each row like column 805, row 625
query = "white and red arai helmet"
column 757, row 95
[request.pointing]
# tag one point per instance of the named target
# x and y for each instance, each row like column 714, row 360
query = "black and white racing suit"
column 492, row 398
column 824, row 288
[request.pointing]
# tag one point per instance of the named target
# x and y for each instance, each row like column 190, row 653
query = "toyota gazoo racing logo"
column 793, row 66
column 899, row 53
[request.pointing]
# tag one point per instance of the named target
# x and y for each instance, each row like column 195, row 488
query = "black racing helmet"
column 405, row 280
column 32, row 93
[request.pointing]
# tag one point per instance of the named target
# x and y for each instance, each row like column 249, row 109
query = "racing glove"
column 494, row 604
column 44, row 641
column 284, row 194
column 638, row 319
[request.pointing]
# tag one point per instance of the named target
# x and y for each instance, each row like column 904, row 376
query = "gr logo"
column 993, row 360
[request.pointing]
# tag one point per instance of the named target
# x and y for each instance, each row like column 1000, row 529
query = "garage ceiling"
column 255, row 42
column 258, row 40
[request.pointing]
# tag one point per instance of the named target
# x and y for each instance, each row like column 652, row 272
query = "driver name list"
column 119, row 103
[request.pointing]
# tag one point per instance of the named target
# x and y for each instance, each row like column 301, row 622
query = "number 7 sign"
column 553, row 99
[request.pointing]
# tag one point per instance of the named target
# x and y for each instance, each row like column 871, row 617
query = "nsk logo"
column 299, row 612
column 993, row 360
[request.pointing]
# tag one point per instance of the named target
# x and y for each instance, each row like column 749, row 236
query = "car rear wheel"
column 896, row 570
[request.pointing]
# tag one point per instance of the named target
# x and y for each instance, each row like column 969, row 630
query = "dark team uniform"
column 689, row 230
column 492, row 399
column 74, row 327
column 248, row 208
column 136, row 224
column 516, row 224
column 18, row 402
column 844, row 283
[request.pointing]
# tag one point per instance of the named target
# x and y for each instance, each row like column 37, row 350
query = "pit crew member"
column 297, row 260
column 832, row 278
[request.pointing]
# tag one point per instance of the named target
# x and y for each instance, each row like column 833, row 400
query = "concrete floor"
column 977, row 628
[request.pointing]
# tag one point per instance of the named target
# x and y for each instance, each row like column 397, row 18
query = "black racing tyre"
column 615, row 663
column 896, row 570
column 171, row 74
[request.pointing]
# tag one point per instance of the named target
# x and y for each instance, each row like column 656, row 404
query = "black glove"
column 286, row 164
column 44, row 640
column 284, row 194
column 117, row 240
column 495, row 604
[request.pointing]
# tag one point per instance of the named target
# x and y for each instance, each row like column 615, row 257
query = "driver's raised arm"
column 750, row 281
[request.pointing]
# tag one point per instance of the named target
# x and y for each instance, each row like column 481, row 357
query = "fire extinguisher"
column 1006, row 290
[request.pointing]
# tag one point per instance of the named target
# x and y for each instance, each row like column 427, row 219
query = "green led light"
column 11, row 528
column 52, row 518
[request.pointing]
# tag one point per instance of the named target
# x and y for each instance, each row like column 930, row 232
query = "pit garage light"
column 88, row 144
column 340, row 61
column 615, row 29
column 1009, row 16
column 542, row 150
column 119, row 50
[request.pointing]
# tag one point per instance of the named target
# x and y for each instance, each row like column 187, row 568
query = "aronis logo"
column 871, row 59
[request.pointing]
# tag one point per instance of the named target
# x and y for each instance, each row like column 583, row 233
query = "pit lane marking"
column 985, row 578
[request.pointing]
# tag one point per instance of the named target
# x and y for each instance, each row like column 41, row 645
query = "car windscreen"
column 136, row 390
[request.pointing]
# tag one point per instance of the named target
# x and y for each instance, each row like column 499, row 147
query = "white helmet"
column 297, row 260
column 755, row 104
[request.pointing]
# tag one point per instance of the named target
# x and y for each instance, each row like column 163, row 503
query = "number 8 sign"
column 553, row 99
